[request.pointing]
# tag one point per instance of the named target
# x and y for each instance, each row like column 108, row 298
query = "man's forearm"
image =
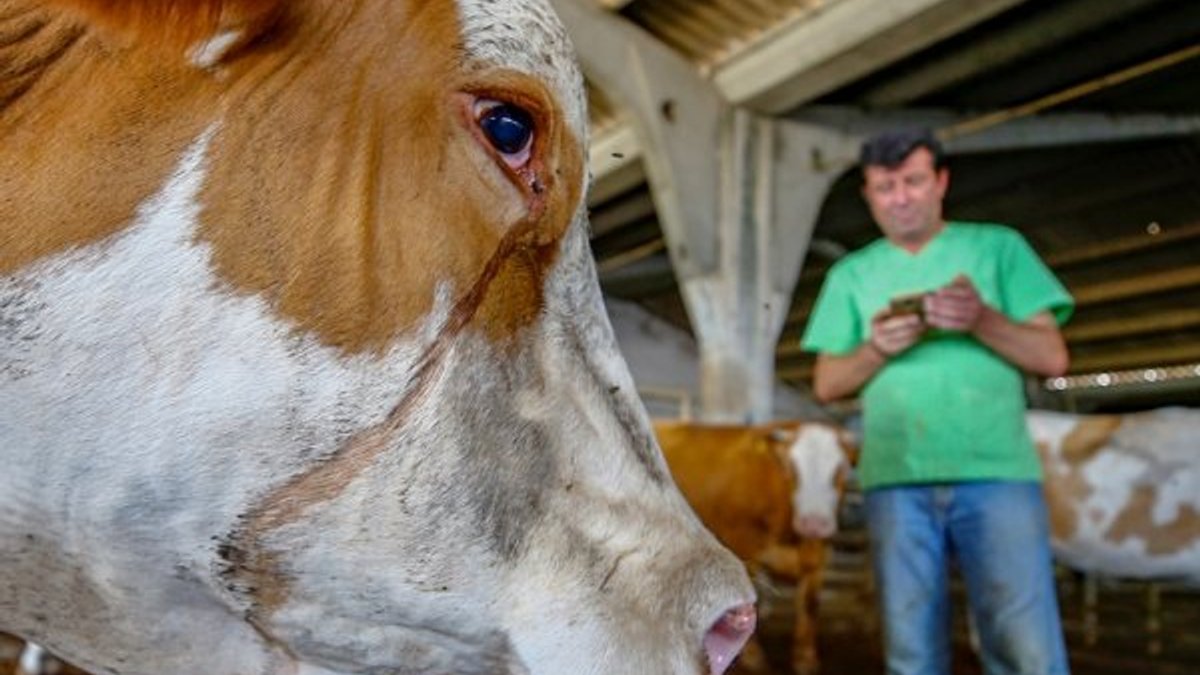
column 1036, row 346
column 838, row 377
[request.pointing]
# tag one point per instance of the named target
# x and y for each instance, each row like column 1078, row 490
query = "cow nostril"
column 727, row 636
column 814, row 527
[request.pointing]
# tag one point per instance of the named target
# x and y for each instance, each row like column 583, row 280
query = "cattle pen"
column 1112, row 626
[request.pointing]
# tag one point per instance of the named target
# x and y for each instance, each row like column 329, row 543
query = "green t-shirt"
column 949, row 408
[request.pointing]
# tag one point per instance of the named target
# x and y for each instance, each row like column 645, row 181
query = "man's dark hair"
column 890, row 148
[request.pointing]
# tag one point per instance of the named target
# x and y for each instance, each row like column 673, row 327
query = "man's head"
column 904, row 182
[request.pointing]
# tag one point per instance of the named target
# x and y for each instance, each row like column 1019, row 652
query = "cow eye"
column 509, row 129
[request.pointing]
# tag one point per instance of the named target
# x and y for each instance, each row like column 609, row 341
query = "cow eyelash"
column 508, row 128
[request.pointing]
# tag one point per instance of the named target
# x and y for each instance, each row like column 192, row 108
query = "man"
column 934, row 324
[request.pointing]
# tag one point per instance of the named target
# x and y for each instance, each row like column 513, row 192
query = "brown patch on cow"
column 1087, row 438
column 30, row 38
column 376, row 187
column 347, row 179
column 175, row 25
column 1136, row 521
column 1064, row 493
column 734, row 481
column 89, row 132
column 850, row 447
column 1065, row 487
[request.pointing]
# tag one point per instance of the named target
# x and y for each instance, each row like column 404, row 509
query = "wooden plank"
column 1132, row 287
column 1123, row 246
column 1125, row 359
column 1132, row 326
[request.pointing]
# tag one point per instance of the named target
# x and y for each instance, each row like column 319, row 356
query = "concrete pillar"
column 770, row 193
column 737, row 195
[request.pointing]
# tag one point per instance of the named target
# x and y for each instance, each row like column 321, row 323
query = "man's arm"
column 1035, row 346
column 840, row 376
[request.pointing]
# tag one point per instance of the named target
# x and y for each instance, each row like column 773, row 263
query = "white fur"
column 817, row 457
column 31, row 659
column 527, row 36
column 208, row 53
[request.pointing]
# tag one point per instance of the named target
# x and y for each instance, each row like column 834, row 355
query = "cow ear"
column 850, row 446
column 205, row 31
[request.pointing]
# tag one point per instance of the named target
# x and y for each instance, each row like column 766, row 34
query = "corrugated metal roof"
column 710, row 31
column 706, row 32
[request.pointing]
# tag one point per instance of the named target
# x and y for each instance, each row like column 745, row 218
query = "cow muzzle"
column 814, row 526
column 724, row 641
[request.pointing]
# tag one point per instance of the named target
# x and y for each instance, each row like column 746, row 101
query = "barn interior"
column 1095, row 162
column 1076, row 122
column 724, row 134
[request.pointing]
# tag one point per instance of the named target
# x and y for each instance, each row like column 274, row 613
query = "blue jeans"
column 997, row 532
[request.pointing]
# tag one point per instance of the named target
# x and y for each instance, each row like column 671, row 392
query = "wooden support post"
column 1153, row 619
column 1091, row 620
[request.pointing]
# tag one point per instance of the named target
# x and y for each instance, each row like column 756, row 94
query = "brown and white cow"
column 303, row 363
column 1123, row 491
column 770, row 493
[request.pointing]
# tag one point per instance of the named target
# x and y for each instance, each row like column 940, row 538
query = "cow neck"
column 90, row 131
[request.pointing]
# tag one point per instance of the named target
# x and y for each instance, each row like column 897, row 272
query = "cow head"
column 819, row 456
column 369, row 396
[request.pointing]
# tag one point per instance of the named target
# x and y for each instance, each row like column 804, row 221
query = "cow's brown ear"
column 851, row 446
column 205, row 31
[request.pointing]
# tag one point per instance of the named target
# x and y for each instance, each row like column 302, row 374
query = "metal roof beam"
column 852, row 38
column 616, row 159
column 814, row 54
column 1057, row 23
column 1040, row 131
column 1124, row 358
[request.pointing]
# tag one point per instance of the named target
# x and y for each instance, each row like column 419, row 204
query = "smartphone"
column 913, row 303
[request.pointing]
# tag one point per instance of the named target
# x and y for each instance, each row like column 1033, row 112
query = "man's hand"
column 954, row 307
column 838, row 376
column 892, row 334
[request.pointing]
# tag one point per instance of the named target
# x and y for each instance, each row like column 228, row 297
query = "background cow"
column 771, row 494
column 303, row 364
column 1123, row 491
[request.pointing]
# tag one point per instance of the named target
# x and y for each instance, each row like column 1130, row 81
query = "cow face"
column 819, row 457
column 317, row 318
